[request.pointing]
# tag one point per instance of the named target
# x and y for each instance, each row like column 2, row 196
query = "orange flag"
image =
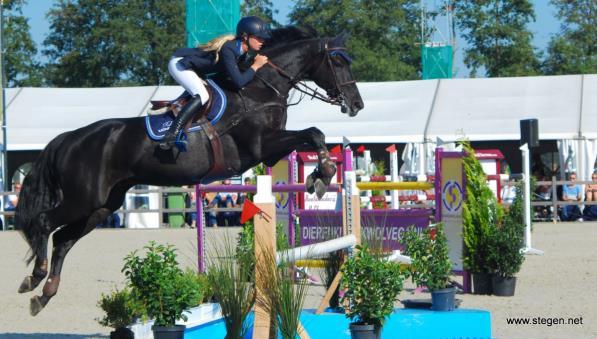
column 249, row 211
column 391, row 148
column 336, row 149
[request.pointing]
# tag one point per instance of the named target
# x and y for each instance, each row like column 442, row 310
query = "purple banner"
column 385, row 226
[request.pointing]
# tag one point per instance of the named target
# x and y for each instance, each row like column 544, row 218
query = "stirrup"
column 180, row 142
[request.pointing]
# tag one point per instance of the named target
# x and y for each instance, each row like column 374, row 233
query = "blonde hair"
column 215, row 44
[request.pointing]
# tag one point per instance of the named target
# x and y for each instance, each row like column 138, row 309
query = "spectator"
column 224, row 200
column 10, row 204
column 571, row 193
column 590, row 211
column 191, row 202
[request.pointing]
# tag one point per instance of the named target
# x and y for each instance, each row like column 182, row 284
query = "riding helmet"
column 252, row 25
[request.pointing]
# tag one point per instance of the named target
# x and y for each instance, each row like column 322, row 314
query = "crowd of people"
column 571, row 193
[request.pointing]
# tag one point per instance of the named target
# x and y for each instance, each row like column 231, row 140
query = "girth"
column 219, row 169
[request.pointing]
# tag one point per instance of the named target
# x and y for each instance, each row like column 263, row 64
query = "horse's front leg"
column 281, row 143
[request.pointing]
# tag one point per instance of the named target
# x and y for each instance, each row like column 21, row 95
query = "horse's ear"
column 340, row 40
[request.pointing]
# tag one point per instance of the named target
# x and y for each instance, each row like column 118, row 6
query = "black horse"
column 82, row 176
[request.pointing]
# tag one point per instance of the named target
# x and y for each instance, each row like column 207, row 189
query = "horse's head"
column 298, row 54
column 335, row 76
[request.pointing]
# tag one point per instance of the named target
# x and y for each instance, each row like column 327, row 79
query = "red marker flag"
column 361, row 149
column 249, row 211
column 391, row 148
column 336, row 149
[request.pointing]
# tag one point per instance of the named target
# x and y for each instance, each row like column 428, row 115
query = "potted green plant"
column 505, row 256
column 431, row 265
column 480, row 215
column 162, row 288
column 371, row 285
column 120, row 311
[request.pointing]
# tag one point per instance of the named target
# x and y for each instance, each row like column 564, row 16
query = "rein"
column 301, row 85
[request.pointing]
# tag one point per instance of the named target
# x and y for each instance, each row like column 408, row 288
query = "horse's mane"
column 289, row 34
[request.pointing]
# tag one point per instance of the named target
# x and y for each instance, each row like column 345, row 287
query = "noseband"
column 300, row 85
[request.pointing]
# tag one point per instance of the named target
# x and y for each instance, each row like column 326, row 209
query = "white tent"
column 395, row 112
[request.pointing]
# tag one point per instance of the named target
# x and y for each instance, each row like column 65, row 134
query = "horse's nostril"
column 358, row 105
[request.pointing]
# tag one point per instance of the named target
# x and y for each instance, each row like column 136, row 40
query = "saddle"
column 163, row 113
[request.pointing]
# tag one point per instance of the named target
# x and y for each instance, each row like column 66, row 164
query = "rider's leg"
column 187, row 113
column 193, row 84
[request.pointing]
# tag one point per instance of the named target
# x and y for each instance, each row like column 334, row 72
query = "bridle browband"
column 301, row 85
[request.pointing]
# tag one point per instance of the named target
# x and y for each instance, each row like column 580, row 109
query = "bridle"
column 336, row 98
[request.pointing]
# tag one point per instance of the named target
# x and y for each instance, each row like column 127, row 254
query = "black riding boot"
column 187, row 112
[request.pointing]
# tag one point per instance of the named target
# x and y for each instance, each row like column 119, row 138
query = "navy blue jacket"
column 203, row 62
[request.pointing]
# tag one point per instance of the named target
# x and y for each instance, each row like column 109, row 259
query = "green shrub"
column 431, row 265
column 120, row 308
column 161, row 287
column 372, row 285
column 506, row 241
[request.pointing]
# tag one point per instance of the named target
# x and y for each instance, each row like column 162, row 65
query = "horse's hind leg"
column 64, row 239
column 46, row 222
column 40, row 269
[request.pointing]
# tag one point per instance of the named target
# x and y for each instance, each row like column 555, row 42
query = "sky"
column 543, row 28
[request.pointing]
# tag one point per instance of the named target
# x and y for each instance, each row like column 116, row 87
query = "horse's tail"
column 39, row 192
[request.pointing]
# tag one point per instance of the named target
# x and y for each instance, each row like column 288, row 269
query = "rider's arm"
column 228, row 59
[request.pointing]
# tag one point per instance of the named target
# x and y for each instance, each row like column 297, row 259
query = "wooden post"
column 265, row 242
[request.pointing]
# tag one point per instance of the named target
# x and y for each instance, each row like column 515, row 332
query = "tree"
column 113, row 43
column 383, row 34
column 498, row 39
column 572, row 51
column 261, row 8
column 19, row 52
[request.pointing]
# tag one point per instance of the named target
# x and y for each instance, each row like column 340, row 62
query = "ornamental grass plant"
column 227, row 274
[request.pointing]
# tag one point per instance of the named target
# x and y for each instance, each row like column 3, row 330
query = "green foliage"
column 480, row 213
column 20, row 66
column 120, row 308
column 505, row 255
column 280, row 295
column 100, row 43
column 431, row 265
column 236, row 295
column 260, row 8
column 498, row 40
column 372, row 285
column 159, row 285
column 572, row 50
column 383, row 34
column 245, row 245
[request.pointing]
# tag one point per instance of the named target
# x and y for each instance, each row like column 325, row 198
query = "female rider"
column 220, row 55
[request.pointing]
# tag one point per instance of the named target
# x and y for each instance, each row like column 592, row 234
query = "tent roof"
column 395, row 112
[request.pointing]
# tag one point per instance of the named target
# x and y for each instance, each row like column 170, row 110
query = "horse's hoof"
column 36, row 306
column 27, row 285
column 320, row 188
column 309, row 184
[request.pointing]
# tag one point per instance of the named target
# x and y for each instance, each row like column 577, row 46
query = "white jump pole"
column 527, row 249
column 394, row 173
column 316, row 250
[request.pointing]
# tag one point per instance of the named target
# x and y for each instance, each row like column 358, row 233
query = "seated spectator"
column 571, row 193
column 224, row 200
column 590, row 211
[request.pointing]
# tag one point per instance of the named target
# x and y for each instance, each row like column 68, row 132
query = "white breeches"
column 188, row 79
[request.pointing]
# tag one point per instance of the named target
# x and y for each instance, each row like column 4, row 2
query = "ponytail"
column 216, row 44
